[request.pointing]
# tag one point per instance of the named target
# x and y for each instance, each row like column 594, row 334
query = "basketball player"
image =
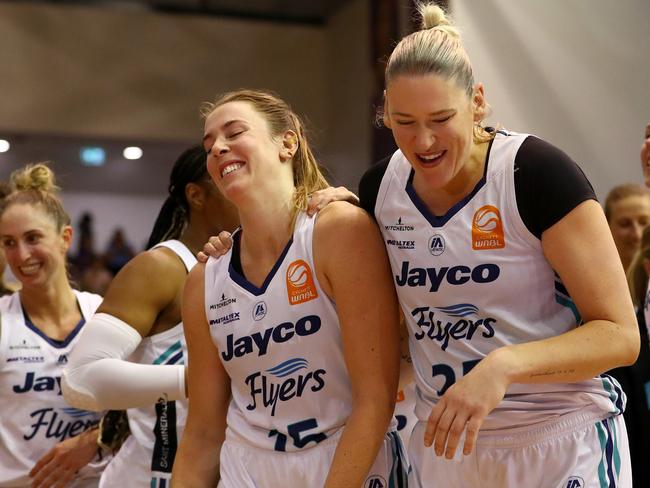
column 297, row 323
column 140, row 321
column 510, row 284
column 42, row 439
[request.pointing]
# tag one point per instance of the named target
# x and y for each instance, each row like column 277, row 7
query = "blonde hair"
column 307, row 174
column 35, row 185
column 622, row 192
column 637, row 277
column 435, row 49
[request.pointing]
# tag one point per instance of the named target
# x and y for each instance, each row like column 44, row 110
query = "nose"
column 637, row 229
column 219, row 146
column 22, row 251
column 424, row 139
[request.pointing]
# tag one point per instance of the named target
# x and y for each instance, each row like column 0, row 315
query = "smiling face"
column 628, row 217
column 242, row 153
column 33, row 247
column 432, row 120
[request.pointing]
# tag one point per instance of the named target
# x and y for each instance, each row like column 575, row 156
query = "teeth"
column 230, row 168
column 29, row 269
column 432, row 156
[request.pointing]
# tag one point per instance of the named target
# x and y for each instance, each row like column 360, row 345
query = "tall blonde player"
column 510, row 283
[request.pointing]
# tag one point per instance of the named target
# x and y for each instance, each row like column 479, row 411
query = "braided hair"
column 190, row 167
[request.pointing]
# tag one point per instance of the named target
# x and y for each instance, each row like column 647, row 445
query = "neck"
column 267, row 224
column 54, row 300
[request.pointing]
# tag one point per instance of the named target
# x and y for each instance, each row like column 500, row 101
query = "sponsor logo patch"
column 300, row 283
column 487, row 229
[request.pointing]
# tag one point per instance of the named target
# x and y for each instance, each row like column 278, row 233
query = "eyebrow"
column 225, row 126
column 439, row 112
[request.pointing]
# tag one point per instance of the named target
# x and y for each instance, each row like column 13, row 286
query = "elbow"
column 631, row 345
column 77, row 396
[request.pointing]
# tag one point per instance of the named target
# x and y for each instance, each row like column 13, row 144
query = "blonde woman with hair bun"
column 43, row 441
column 509, row 281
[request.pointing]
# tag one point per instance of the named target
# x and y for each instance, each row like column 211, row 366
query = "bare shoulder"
column 340, row 219
column 153, row 277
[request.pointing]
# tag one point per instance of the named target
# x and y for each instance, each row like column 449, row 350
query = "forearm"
column 577, row 355
column 98, row 377
column 359, row 444
column 197, row 462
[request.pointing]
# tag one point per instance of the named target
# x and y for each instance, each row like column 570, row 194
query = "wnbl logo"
column 575, row 482
column 375, row 482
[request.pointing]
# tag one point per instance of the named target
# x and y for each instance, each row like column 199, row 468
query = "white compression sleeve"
column 98, row 377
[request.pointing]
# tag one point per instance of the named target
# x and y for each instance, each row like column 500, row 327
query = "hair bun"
column 434, row 16
column 36, row 176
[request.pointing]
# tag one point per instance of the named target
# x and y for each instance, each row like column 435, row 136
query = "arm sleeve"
column 369, row 185
column 98, row 377
column 548, row 185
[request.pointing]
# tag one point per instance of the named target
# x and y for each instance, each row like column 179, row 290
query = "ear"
column 385, row 115
column 195, row 196
column 479, row 106
column 66, row 235
column 289, row 146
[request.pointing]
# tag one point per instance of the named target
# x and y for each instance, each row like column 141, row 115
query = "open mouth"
column 231, row 167
column 431, row 159
column 30, row 269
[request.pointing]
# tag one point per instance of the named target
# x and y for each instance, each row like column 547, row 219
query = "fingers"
column 42, row 463
column 216, row 246
column 446, row 425
column 321, row 198
column 473, row 427
column 432, row 424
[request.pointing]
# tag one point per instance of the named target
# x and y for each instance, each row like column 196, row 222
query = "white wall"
column 574, row 72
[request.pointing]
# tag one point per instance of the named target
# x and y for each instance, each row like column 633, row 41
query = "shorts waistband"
column 525, row 436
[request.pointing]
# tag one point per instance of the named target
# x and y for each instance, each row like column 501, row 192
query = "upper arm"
column 548, row 185
column 369, row 185
column 350, row 255
column 580, row 248
column 143, row 288
column 209, row 384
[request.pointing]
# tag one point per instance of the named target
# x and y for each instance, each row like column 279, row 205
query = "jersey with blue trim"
column 147, row 456
column 35, row 417
column 474, row 280
column 280, row 343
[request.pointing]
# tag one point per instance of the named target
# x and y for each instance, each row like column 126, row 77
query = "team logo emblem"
column 436, row 245
column 487, row 229
column 300, row 283
column 259, row 311
column 375, row 482
column 575, row 482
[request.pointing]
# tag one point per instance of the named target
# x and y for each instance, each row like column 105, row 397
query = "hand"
column 464, row 407
column 60, row 464
column 319, row 199
column 216, row 246
column 645, row 160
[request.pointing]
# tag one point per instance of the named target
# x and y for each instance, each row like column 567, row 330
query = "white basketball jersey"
column 34, row 414
column 146, row 458
column 281, row 346
column 474, row 280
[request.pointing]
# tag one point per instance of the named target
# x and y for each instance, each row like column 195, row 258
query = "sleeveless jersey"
column 147, row 456
column 35, row 417
column 281, row 346
column 474, row 280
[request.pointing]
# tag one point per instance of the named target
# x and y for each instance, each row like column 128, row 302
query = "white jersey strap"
column 189, row 260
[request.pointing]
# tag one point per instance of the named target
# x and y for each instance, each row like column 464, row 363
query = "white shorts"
column 574, row 451
column 243, row 466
